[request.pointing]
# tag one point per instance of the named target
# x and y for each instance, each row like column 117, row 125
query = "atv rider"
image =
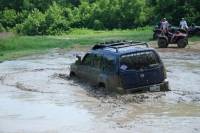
column 165, row 28
column 164, row 25
column 183, row 24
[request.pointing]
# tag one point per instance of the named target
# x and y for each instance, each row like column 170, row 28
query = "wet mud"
column 37, row 96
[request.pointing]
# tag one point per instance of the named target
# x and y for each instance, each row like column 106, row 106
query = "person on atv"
column 165, row 29
column 164, row 25
column 183, row 24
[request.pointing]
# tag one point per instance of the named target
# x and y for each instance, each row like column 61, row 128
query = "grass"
column 194, row 39
column 14, row 46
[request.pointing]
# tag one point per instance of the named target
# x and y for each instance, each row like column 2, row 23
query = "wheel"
column 102, row 86
column 182, row 43
column 72, row 75
column 162, row 43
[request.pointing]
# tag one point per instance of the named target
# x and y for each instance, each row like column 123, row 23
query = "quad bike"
column 157, row 31
column 179, row 37
column 193, row 30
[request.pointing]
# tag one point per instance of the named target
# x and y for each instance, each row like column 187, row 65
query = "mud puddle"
column 37, row 97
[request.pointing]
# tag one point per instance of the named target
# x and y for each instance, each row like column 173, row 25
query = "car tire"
column 182, row 43
column 72, row 74
column 162, row 43
column 102, row 87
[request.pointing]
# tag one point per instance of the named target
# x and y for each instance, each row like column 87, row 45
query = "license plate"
column 154, row 88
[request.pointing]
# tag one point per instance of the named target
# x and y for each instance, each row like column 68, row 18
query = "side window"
column 92, row 60
column 108, row 64
column 97, row 61
column 87, row 60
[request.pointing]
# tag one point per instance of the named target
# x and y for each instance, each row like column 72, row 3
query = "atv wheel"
column 162, row 43
column 182, row 43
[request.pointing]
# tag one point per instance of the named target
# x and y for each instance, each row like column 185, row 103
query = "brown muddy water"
column 37, row 97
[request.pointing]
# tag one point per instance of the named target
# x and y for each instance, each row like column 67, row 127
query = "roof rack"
column 119, row 44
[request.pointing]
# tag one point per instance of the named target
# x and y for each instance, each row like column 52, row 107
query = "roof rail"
column 134, row 43
column 119, row 44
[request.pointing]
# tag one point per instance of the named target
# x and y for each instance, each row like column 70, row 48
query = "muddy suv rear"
column 142, row 70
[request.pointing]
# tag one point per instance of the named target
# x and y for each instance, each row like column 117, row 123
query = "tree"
column 34, row 24
column 8, row 19
column 57, row 19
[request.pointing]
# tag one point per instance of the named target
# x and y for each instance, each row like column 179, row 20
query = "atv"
column 194, row 30
column 179, row 37
column 157, row 31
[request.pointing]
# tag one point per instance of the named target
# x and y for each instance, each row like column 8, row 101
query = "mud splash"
column 37, row 96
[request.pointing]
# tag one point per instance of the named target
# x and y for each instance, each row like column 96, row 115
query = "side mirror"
column 79, row 59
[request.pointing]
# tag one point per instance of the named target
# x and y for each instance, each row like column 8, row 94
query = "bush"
column 2, row 29
column 52, row 22
column 58, row 28
column 98, row 25
column 8, row 19
column 33, row 25
column 22, row 16
column 19, row 28
column 57, row 19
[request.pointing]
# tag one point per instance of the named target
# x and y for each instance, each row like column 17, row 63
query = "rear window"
column 139, row 60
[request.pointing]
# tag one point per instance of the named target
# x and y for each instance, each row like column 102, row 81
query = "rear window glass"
column 139, row 60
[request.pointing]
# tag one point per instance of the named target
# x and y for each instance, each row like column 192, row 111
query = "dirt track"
column 36, row 97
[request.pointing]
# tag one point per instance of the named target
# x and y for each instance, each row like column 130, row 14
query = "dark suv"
column 122, row 66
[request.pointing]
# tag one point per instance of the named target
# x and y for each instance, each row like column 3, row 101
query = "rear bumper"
column 164, row 86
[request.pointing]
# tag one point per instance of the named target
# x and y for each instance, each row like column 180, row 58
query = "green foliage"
column 57, row 19
column 8, row 19
column 41, row 5
column 82, row 15
column 34, row 24
column 57, row 16
column 21, row 16
column 58, row 28
column 98, row 25
column 174, row 10
column 54, row 21
column 112, row 14
column 11, row 4
column 2, row 29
